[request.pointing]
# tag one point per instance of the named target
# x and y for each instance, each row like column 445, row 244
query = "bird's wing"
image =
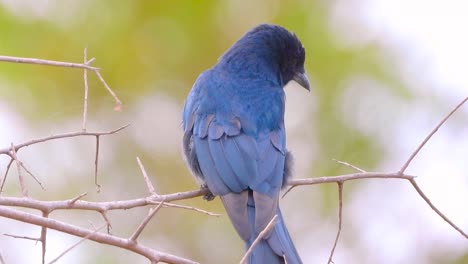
column 232, row 161
column 233, row 164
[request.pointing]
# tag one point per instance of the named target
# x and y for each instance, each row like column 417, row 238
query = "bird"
column 234, row 138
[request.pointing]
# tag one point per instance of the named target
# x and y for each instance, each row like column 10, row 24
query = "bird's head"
column 274, row 46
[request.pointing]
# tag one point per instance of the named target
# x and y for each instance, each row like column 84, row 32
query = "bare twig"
column 145, row 221
column 2, row 261
column 106, row 219
column 23, row 237
column 368, row 175
column 32, row 175
column 85, row 103
column 76, row 244
column 346, row 177
column 151, row 254
column 24, row 190
column 17, row 147
column 118, row 106
column 43, row 238
column 46, row 62
column 84, row 65
column 72, row 201
column 128, row 204
column 101, row 207
column 96, row 160
column 340, row 219
column 260, row 236
column 446, row 219
column 187, row 207
column 6, row 173
column 13, row 149
column 349, row 165
column 97, row 206
column 147, row 180
column 407, row 163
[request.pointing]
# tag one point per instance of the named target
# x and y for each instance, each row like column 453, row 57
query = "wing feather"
column 208, row 166
column 221, row 161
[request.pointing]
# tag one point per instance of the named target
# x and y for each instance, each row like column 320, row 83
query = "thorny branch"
column 157, row 199
column 86, row 66
column 17, row 147
column 151, row 254
column 47, row 207
column 46, row 62
column 13, row 150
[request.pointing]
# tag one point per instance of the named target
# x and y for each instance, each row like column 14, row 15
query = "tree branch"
column 17, row 147
column 118, row 106
column 149, row 253
column 43, row 237
column 96, row 163
column 23, row 237
column 149, row 185
column 46, row 62
column 50, row 206
column 426, row 199
column 346, row 177
column 24, row 190
column 86, row 89
column 6, row 173
column 340, row 220
column 413, row 155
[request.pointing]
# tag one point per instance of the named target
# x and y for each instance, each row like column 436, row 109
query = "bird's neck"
column 252, row 62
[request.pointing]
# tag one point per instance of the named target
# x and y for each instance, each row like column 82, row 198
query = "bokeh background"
column 384, row 72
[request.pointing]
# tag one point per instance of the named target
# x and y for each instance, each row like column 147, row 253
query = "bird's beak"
column 302, row 80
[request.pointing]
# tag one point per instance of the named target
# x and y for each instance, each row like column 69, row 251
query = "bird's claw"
column 209, row 196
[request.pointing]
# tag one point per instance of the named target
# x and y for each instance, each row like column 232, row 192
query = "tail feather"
column 277, row 247
column 263, row 253
column 281, row 243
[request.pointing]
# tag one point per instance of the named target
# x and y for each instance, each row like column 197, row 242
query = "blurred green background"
column 150, row 53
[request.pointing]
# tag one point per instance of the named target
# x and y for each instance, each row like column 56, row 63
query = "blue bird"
column 234, row 136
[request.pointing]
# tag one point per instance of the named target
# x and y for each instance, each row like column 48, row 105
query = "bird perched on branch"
column 234, row 136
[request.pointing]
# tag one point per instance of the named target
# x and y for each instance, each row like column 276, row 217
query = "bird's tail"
column 276, row 247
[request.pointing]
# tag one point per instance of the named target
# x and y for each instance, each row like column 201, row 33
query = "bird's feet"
column 209, row 196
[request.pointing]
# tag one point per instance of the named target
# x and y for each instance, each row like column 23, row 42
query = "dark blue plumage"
column 234, row 136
